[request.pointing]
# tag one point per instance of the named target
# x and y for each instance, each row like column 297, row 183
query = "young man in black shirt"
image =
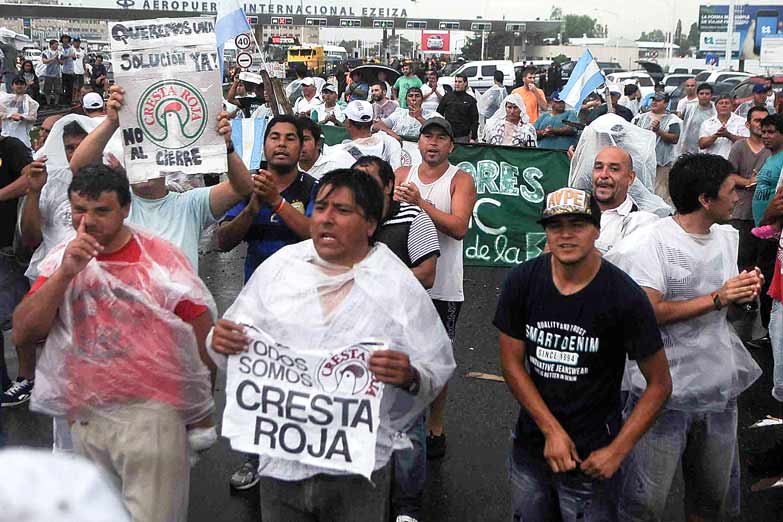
column 460, row 109
column 14, row 159
column 567, row 320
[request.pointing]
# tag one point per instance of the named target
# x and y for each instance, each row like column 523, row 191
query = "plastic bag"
column 54, row 149
column 612, row 130
column 116, row 339
column 491, row 101
column 304, row 302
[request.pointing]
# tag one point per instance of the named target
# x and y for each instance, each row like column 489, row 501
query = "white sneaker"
column 405, row 518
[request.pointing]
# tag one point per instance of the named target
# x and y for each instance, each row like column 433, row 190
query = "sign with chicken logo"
column 170, row 73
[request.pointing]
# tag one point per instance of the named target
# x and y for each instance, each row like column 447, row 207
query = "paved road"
column 470, row 483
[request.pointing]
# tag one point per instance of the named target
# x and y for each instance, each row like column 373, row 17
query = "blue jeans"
column 704, row 443
column 579, row 497
column 410, row 473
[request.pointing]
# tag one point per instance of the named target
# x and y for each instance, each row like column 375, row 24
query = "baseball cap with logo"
column 328, row 87
column 759, row 88
column 308, row 81
column 359, row 110
column 571, row 202
column 92, row 100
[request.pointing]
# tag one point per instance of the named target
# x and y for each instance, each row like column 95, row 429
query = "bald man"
column 46, row 128
column 612, row 175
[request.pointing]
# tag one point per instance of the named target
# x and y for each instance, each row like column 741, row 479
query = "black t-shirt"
column 576, row 346
column 249, row 104
column 14, row 156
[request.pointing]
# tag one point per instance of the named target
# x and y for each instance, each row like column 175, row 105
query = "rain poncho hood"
column 54, row 150
column 524, row 135
column 612, row 130
column 116, row 339
column 304, row 302
column 491, row 100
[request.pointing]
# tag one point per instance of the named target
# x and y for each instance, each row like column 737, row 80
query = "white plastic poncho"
column 116, row 339
column 491, row 100
column 304, row 302
column 23, row 105
column 694, row 116
column 496, row 128
column 54, row 150
column 612, row 130
column 61, row 488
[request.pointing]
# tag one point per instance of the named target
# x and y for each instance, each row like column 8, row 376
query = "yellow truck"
column 312, row 56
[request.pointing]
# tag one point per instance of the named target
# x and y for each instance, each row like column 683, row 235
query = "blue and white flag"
column 230, row 22
column 585, row 78
column 247, row 135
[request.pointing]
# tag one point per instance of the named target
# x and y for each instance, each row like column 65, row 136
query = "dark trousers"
column 68, row 80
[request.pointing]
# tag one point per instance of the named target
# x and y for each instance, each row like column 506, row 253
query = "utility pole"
column 482, row 44
column 730, row 33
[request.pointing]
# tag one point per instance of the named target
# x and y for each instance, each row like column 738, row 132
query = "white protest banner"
column 307, row 406
column 173, row 94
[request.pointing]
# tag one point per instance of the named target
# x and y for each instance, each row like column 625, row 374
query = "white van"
column 33, row 54
column 481, row 74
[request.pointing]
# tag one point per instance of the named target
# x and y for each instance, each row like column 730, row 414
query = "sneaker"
column 17, row 394
column 762, row 343
column 436, row 446
column 767, row 463
column 246, row 476
column 405, row 518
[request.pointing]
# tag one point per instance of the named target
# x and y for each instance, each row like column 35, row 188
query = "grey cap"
column 438, row 121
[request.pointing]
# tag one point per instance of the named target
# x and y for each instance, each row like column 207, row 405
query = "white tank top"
column 448, row 272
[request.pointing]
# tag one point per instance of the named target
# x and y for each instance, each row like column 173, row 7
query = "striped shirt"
column 410, row 233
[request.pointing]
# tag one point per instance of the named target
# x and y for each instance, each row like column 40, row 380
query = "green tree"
column 653, row 36
column 678, row 32
column 556, row 13
column 495, row 44
column 693, row 35
column 577, row 26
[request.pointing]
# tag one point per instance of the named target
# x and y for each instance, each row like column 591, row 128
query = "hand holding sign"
column 224, row 126
column 392, row 367
column 80, row 251
column 229, row 338
column 115, row 103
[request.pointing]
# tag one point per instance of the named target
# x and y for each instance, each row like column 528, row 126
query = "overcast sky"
column 624, row 18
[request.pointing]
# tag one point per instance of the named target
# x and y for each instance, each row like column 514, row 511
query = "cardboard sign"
column 171, row 76
column 307, row 406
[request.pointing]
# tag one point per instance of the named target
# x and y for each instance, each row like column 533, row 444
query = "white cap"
column 308, row 81
column 60, row 489
column 359, row 110
column 328, row 87
column 92, row 100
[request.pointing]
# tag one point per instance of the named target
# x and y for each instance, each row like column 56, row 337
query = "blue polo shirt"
column 548, row 119
column 268, row 233
column 766, row 184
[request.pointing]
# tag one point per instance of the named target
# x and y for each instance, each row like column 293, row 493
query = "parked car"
column 640, row 78
column 672, row 81
column 743, row 91
column 718, row 76
column 610, row 67
column 686, row 70
column 481, row 74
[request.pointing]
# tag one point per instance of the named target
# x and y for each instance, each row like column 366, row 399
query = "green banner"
column 510, row 187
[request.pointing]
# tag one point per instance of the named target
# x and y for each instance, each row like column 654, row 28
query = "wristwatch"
column 716, row 300
column 415, row 384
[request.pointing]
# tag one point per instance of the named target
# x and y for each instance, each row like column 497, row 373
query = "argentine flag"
column 230, row 22
column 585, row 78
column 247, row 136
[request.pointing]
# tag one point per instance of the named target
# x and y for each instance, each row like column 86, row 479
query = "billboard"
column 751, row 24
column 435, row 41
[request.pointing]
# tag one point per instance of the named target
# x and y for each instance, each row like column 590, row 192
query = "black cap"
column 437, row 121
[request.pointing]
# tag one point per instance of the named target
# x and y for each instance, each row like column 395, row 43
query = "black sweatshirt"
column 459, row 109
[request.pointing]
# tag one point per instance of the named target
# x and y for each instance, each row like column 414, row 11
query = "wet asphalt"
column 470, row 483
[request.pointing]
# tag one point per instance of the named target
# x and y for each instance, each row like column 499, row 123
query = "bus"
column 312, row 56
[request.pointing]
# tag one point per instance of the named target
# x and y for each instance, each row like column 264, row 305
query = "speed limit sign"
column 242, row 41
column 244, row 60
